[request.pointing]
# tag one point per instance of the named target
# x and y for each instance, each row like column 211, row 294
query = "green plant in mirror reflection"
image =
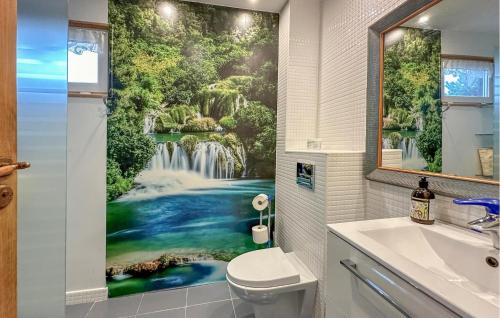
column 412, row 97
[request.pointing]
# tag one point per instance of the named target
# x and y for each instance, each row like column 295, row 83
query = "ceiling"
column 258, row 5
column 460, row 15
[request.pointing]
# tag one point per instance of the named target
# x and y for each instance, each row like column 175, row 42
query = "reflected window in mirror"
column 467, row 81
column 438, row 111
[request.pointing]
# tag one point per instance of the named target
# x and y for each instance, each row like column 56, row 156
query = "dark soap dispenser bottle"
column 421, row 203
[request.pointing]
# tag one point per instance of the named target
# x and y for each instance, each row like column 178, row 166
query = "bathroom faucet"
column 488, row 223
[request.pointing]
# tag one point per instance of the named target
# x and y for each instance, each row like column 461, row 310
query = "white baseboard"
column 86, row 296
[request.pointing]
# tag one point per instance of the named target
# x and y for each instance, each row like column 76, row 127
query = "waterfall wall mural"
column 191, row 139
column 412, row 115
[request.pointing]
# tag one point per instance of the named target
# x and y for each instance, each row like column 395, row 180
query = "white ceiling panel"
column 460, row 15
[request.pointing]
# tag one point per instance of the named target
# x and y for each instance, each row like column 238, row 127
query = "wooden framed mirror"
column 433, row 96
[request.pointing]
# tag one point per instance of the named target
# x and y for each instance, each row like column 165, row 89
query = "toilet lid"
column 262, row 268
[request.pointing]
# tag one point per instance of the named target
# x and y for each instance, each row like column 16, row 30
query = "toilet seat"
column 263, row 269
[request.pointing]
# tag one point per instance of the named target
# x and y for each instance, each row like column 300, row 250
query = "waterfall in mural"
column 191, row 141
column 209, row 159
column 213, row 161
column 149, row 124
column 409, row 147
column 172, row 170
column 163, row 160
column 411, row 157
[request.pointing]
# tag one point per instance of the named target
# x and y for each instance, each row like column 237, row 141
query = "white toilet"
column 275, row 283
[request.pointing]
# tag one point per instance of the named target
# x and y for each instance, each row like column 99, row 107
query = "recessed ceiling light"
column 393, row 36
column 423, row 19
column 167, row 11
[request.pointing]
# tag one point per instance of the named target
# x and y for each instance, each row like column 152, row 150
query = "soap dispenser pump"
column 421, row 203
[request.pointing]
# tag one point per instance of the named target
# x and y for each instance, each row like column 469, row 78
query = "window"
column 83, row 63
column 467, row 81
column 87, row 60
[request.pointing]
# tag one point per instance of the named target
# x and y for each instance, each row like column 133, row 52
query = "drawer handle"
column 352, row 267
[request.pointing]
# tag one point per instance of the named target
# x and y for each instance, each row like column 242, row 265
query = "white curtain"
column 86, row 40
column 82, row 72
column 469, row 65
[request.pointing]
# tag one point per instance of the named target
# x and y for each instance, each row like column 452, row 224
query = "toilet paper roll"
column 259, row 234
column 260, row 202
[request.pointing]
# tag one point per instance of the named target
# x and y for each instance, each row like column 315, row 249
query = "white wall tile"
column 392, row 158
column 385, row 200
column 343, row 70
column 301, row 215
column 322, row 93
column 345, row 187
column 300, row 212
column 302, row 49
column 86, row 296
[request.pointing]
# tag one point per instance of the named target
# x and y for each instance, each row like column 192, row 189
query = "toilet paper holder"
column 260, row 203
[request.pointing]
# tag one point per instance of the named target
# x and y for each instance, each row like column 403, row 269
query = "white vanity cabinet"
column 357, row 286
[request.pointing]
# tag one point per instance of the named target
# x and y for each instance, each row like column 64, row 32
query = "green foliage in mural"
column 175, row 118
column 200, row 125
column 234, row 144
column 412, row 90
column 201, row 46
column 129, row 151
column 228, row 123
column 189, row 143
column 116, row 182
column 192, row 72
column 400, row 119
column 256, row 127
column 218, row 102
column 394, row 139
column 412, row 70
column 225, row 97
column 429, row 141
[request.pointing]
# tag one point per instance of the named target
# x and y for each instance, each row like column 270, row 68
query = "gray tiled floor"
column 205, row 301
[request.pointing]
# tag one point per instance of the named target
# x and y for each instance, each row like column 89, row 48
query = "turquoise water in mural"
column 181, row 213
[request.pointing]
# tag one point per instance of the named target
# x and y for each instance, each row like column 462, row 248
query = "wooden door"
column 8, row 216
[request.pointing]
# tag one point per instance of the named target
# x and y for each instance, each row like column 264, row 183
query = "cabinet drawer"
column 358, row 286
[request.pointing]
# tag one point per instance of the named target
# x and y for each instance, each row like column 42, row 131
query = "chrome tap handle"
column 491, row 205
column 492, row 230
column 489, row 223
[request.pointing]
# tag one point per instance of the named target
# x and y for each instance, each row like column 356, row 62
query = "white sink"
column 447, row 262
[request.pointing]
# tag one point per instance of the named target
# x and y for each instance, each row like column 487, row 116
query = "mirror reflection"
column 441, row 91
